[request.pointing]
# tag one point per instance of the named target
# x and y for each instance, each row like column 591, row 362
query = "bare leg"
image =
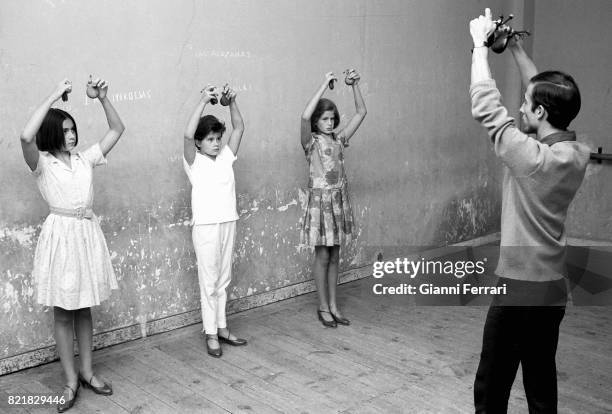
column 64, row 335
column 84, row 332
column 321, row 266
column 332, row 279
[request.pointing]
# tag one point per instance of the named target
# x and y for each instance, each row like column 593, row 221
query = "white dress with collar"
column 72, row 265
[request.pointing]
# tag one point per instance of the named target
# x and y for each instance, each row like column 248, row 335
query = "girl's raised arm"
column 305, row 132
column 360, row 107
column 28, row 135
column 237, row 121
column 189, row 149
column 115, row 126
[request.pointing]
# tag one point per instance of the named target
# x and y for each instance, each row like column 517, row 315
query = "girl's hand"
column 229, row 92
column 102, row 86
column 329, row 76
column 208, row 93
column 65, row 86
column 352, row 77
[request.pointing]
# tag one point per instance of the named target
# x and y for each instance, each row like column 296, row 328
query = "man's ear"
column 541, row 113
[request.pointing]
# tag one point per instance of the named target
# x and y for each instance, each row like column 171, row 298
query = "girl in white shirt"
column 208, row 165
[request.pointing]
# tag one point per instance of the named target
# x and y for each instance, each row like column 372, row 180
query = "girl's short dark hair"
column 50, row 136
column 323, row 105
column 558, row 93
column 206, row 125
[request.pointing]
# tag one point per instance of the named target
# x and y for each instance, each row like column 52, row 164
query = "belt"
column 79, row 213
column 320, row 190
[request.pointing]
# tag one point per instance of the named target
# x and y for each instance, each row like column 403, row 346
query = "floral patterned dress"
column 328, row 218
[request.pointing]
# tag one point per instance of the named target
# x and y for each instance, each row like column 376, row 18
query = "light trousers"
column 213, row 245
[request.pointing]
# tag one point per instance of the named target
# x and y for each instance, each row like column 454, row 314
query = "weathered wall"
column 420, row 169
column 572, row 36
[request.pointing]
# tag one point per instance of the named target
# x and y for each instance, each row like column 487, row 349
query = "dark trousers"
column 514, row 335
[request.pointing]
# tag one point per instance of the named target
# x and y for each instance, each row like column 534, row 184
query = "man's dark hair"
column 558, row 93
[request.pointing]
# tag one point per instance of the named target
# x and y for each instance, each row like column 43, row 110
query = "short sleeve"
column 188, row 167
column 227, row 154
column 342, row 139
column 40, row 165
column 94, row 155
column 308, row 147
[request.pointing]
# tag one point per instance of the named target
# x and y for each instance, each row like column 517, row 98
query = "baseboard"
column 575, row 241
column 117, row 336
column 479, row 241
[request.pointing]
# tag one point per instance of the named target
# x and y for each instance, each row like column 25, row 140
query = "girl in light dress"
column 72, row 267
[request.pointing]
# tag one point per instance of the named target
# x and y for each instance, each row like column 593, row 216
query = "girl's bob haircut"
column 50, row 136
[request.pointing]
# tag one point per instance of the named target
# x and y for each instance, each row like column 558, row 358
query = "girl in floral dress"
column 328, row 219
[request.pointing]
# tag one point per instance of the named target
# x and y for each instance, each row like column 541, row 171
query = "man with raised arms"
column 541, row 177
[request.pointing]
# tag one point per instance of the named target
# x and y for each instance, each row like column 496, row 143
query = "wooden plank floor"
column 394, row 358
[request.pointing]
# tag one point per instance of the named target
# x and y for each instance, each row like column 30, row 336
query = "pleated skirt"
column 328, row 218
column 72, row 265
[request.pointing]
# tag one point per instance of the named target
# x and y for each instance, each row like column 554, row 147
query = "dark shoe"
column 213, row 352
column 329, row 324
column 105, row 389
column 67, row 404
column 340, row 319
column 233, row 342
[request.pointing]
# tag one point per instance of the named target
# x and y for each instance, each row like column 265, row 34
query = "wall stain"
column 152, row 254
column 468, row 216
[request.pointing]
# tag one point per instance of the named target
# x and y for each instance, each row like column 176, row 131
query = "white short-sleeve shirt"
column 68, row 187
column 213, row 189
